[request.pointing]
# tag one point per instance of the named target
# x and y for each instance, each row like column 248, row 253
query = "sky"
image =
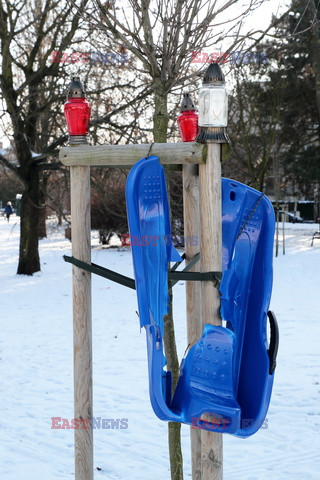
column 261, row 18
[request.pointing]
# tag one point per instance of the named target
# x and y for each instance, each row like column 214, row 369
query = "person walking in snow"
column 8, row 210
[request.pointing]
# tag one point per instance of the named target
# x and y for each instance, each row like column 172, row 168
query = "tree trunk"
column 42, row 228
column 160, row 127
column 314, row 47
column 29, row 261
column 174, row 428
column 160, row 117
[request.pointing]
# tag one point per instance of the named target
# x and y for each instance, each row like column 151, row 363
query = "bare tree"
column 254, row 124
column 28, row 88
column 163, row 35
column 272, row 115
column 32, row 90
column 309, row 26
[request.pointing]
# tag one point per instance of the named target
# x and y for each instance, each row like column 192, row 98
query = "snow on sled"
column 228, row 374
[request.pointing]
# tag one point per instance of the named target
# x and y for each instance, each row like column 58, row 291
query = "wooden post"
column 284, row 218
column 82, row 324
column 211, row 260
column 191, row 210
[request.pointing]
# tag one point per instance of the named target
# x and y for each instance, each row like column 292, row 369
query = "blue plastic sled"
column 228, row 374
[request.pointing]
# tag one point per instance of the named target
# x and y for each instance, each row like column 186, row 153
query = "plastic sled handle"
column 274, row 341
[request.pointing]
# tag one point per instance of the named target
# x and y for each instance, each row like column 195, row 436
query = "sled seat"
column 228, row 374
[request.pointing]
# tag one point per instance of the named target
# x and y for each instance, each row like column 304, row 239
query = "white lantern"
column 213, row 106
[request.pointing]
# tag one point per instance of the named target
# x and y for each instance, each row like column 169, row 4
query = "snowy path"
column 36, row 372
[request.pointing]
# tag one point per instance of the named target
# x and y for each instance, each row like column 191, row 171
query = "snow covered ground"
column 36, row 371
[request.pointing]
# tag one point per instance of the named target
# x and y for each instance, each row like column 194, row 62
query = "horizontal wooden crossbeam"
column 121, row 155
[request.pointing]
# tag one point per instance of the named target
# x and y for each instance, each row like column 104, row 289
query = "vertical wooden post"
column 191, row 211
column 277, row 230
column 211, row 260
column 82, row 324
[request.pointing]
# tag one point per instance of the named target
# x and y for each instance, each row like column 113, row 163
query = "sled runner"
column 228, row 374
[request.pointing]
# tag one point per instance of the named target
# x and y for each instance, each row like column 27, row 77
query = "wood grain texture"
column 116, row 155
column 191, row 212
column 82, row 323
column 211, row 260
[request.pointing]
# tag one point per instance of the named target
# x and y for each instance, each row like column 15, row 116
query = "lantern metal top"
column 213, row 75
column 75, row 88
column 187, row 103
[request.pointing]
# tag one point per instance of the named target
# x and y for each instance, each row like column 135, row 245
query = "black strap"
column 176, row 265
column 196, row 277
column 274, row 342
column 173, row 276
column 102, row 272
column 174, row 279
column 250, row 214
